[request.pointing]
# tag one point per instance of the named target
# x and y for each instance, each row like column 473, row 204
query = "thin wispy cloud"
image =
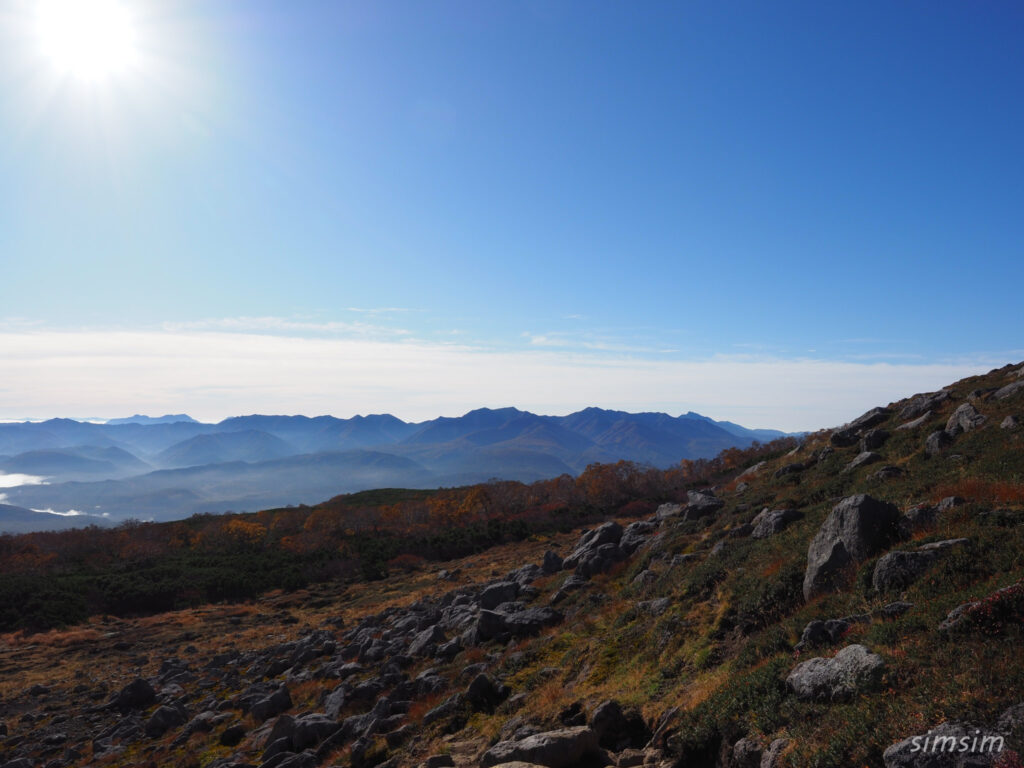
column 590, row 342
column 288, row 325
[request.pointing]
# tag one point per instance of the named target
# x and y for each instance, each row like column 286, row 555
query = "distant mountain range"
column 173, row 466
column 140, row 419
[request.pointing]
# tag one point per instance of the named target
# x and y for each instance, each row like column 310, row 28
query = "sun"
column 89, row 40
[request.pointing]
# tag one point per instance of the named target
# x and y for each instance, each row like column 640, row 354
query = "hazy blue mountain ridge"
column 167, row 469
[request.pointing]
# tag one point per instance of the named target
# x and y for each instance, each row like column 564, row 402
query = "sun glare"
column 91, row 40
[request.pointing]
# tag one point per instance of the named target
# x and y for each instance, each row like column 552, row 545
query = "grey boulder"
column 769, row 522
column 921, row 404
column 950, row 745
column 554, row 749
column 665, row 511
column 772, row 755
column 853, row 670
column 862, row 459
column 898, row 570
column 700, row 504
column 746, row 753
column 164, row 719
column 1009, row 390
column 552, row 562
column 936, row 442
column 964, row 419
column 874, row 439
column 819, row 632
column 857, row 528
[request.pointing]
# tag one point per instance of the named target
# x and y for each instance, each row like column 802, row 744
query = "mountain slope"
column 221, row 447
column 326, row 433
column 76, row 462
column 175, row 493
column 762, row 435
column 21, row 520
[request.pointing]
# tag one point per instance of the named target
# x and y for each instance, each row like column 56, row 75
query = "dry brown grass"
column 548, row 699
column 774, row 567
column 702, row 687
column 420, row 707
column 976, row 489
column 55, row 638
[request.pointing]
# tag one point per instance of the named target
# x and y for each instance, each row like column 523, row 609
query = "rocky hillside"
column 859, row 601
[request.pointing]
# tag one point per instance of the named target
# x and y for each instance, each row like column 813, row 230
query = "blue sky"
column 549, row 191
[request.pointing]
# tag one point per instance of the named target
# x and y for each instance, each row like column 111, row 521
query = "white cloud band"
column 214, row 374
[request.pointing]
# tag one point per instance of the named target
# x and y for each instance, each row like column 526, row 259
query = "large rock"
column 446, row 709
column 165, row 718
column 921, row 404
column 915, row 423
column 950, row 745
column 635, row 535
column 853, row 670
column 617, row 730
column 274, row 704
column 962, row 615
column 138, row 694
column 872, row 418
column 424, row 642
column 773, row 755
column 489, row 624
column 531, row 621
column 789, row 469
column 1011, row 722
column 484, row 693
column 850, row 433
column 874, row 439
column 700, row 504
column 598, row 560
column 918, row 518
column 310, row 730
column 936, row 442
column 819, row 632
column 1009, row 390
column 498, row 592
column 898, row 570
column 554, row 749
column 843, row 438
column 964, row 419
column 668, row 510
column 752, row 470
column 857, row 528
column 863, row 458
column 888, row 472
column 593, row 540
column 769, row 522
column 746, row 753
column 552, row 562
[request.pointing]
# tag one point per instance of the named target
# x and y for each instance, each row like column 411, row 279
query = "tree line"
column 51, row 579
